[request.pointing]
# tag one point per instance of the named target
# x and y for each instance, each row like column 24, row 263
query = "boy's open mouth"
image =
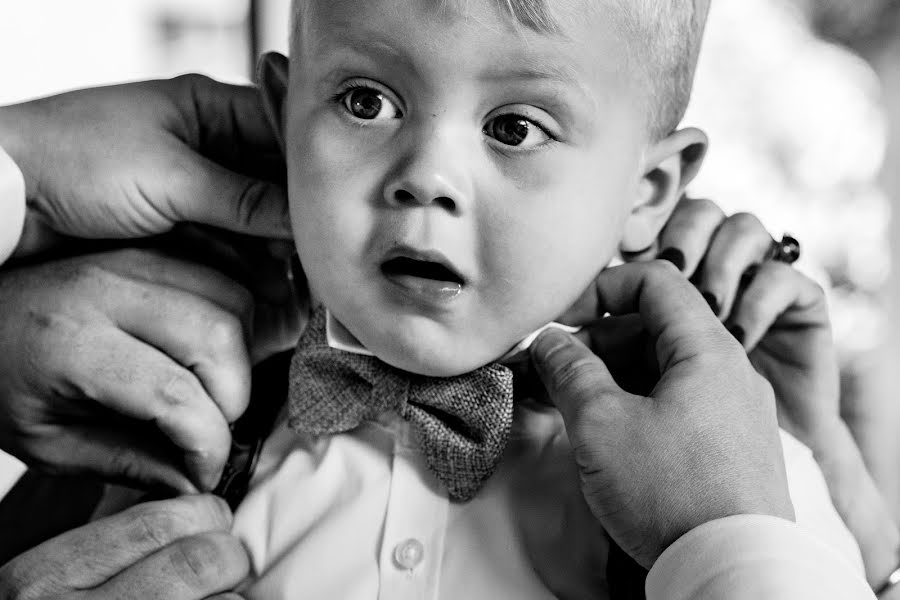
column 423, row 269
column 427, row 276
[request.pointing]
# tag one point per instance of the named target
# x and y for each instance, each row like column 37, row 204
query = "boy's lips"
column 424, row 274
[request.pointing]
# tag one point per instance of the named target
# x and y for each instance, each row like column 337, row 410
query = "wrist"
column 861, row 506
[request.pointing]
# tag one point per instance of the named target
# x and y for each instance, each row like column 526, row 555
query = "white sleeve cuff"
column 12, row 205
column 753, row 556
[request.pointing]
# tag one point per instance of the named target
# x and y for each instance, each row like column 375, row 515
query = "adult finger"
column 90, row 555
column 625, row 348
column 229, row 124
column 130, row 453
column 685, row 238
column 198, row 334
column 191, row 568
column 576, row 380
column 259, row 265
column 672, row 311
column 203, row 191
column 740, row 242
column 196, row 279
column 779, row 293
column 141, row 382
column 224, row 115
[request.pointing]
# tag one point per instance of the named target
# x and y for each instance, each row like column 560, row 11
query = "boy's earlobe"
column 272, row 78
column 671, row 164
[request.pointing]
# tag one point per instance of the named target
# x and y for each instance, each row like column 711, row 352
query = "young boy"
column 459, row 172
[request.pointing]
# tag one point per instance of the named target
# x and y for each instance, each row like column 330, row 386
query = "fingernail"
column 738, row 332
column 674, row 256
column 712, row 301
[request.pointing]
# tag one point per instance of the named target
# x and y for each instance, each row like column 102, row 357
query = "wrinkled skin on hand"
column 701, row 445
column 129, row 364
column 175, row 549
column 133, row 160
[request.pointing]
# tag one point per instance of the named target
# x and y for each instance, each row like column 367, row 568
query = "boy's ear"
column 272, row 78
column 670, row 165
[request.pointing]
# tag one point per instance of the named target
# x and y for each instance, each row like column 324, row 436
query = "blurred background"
column 801, row 99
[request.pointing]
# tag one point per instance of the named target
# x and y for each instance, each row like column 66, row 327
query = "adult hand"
column 128, row 364
column 132, row 160
column 702, row 445
column 175, row 549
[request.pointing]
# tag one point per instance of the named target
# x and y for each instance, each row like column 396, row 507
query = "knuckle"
column 180, row 388
column 660, row 269
column 661, row 274
column 250, row 201
column 52, row 328
column 746, row 222
column 90, row 273
column 190, row 81
column 125, row 462
column 704, row 205
column 52, row 343
column 216, row 507
column 157, row 525
column 203, row 561
column 225, row 333
column 575, row 377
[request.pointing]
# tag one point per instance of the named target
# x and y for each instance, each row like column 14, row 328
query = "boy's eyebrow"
column 552, row 73
column 558, row 74
column 365, row 41
column 360, row 42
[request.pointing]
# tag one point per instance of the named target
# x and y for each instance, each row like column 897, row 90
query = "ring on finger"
column 786, row 251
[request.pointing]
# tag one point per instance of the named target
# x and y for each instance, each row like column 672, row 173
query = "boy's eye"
column 369, row 104
column 515, row 130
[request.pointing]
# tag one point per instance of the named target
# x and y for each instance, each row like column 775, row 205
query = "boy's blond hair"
column 663, row 37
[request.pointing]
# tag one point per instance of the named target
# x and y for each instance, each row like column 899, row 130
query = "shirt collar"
column 340, row 338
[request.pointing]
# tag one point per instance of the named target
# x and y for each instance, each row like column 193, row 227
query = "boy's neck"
column 340, row 338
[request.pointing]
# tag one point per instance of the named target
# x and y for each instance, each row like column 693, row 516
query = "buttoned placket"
column 415, row 525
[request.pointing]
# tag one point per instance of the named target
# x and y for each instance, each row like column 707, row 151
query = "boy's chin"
column 434, row 357
column 431, row 365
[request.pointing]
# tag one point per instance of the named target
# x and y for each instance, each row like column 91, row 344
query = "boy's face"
column 456, row 180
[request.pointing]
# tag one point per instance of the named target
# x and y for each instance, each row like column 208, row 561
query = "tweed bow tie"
column 462, row 422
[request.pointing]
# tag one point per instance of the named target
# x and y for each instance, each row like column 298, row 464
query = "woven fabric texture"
column 462, row 423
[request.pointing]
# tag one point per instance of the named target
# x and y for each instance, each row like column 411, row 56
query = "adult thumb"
column 214, row 195
column 577, row 381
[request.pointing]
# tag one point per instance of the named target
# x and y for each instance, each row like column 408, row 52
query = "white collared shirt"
column 12, row 205
column 360, row 516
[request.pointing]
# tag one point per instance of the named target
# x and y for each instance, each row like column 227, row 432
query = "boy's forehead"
column 566, row 19
column 586, row 41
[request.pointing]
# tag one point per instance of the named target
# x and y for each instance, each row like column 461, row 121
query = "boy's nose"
column 416, row 192
column 425, row 180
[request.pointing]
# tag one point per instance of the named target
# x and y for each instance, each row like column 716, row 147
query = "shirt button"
column 408, row 554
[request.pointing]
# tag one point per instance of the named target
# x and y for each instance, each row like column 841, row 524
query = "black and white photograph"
column 449, row 299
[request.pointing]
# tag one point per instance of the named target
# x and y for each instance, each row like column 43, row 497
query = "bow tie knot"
column 462, row 423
